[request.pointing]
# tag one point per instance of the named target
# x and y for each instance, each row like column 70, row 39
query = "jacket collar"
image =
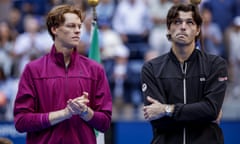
column 58, row 57
column 191, row 58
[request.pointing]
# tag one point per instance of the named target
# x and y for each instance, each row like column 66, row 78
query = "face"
column 4, row 30
column 31, row 25
column 68, row 33
column 183, row 30
column 206, row 16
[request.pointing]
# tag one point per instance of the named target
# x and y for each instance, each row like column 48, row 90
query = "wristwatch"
column 85, row 112
column 169, row 110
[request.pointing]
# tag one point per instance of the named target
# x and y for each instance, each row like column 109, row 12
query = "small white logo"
column 202, row 79
column 222, row 79
column 144, row 87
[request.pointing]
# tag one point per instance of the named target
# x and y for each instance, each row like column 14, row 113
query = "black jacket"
column 197, row 88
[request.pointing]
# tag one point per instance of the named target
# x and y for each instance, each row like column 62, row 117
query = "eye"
column 70, row 25
column 177, row 21
column 73, row 26
column 190, row 22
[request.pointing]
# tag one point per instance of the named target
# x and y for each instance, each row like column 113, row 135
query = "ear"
column 168, row 35
column 168, row 32
column 198, row 31
column 54, row 30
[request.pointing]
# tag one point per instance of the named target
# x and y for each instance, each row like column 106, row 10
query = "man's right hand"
column 78, row 105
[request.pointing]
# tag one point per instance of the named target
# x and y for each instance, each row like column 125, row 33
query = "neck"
column 183, row 52
column 65, row 51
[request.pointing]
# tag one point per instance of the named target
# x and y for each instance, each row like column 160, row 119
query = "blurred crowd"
column 130, row 32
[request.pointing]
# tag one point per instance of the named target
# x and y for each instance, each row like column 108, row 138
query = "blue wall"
column 132, row 133
column 129, row 132
column 140, row 132
column 231, row 130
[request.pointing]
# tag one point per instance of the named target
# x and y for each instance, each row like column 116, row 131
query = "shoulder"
column 156, row 65
column 92, row 68
column 89, row 63
column 212, row 59
column 37, row 62
column 214, row 63
column 36, row 65
column 157, row 61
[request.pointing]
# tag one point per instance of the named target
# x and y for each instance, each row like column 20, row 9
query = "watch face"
column 84, row 112
column 168, row 110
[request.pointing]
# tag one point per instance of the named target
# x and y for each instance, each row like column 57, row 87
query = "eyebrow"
column 178, row 18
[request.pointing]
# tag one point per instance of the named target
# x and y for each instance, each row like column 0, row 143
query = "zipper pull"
column 184, row 69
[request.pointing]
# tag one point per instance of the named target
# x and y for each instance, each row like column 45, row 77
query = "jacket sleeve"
column 207, row 109
column 150, row 87
column 26, row 118
column 102, row 105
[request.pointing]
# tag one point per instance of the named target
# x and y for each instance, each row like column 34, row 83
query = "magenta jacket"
column 46, row 85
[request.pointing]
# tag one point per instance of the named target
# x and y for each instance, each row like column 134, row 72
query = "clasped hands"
column 78, row 106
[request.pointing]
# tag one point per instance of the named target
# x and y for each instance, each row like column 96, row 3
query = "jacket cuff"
column 45, row 120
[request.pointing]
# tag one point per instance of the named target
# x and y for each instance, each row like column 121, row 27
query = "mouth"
column 182, row 34
column 76, row 38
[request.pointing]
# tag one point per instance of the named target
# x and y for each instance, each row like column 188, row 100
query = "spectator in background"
column 8, row 90
column 223, row 12
column 29, row 45
column 233, row 42
column 114, row 56
column 105, row 10
column 6, row 48
column 211, row 34
column 32, row 7
column 63, row 96
column 8, row 60
column 3, row 97
column 15, row 22
column 85, row 36
column 131, row 21
column 5, row 6
column 158, row 11
column 119, row 77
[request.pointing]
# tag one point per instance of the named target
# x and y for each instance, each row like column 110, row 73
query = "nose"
column 183, row 26
column 77, row 29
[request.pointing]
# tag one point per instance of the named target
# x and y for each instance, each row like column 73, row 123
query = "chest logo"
column 221, row 79
column 144, row 87
column 202, row 79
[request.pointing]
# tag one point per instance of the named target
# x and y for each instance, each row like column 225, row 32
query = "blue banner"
column 7, row 130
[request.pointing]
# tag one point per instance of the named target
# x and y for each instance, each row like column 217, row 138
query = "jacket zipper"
column 66, row 79
column 184, row 71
